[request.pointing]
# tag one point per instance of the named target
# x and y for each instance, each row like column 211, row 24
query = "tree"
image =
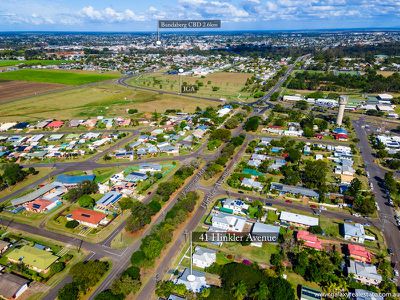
column 302, row 105
column 133, row 272
column 294, row 155
column 315, row 172
column 240, row 290
column 108, row 295
column 354, row 188
column 220, row 134
column 364, row 205
column 262, row 293
column 315, row 229
column 390, row 182
column 12, row 173
column 125, row 203
column 86, row 201
column 125, row 285
column 274, row 96
column 57, row 267
column 231, row 123
column 151, row 247
column 138, row 258
column 308, row 132
column 252, row 123
column 69, row 292
column 291, row 175
column 87, row 274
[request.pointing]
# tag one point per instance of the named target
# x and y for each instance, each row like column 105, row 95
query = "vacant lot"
column 12, row 90
column 55, row 76
column 34, row 62
column 108, row 99
column 226, row 85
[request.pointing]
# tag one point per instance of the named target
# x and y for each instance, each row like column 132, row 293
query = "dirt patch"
column 14, row 90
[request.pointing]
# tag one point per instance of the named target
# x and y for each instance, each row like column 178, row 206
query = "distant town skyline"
column 128, row 16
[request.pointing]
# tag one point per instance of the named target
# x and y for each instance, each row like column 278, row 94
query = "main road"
column 376, row 177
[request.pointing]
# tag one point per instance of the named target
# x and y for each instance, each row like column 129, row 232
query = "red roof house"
column 359, row 253
column 88, row 217
column 341, row 137
column 40, row 205
column 310, row 240
column 55, row 124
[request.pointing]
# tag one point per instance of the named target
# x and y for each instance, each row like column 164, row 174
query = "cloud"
column 109, row 15
column 57, row 12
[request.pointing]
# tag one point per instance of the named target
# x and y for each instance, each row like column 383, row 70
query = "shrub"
column 72, row 224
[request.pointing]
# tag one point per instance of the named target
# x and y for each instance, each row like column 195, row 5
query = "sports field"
column 33, row 62
column 216, row 85
column 108, row 100
column 56, row 76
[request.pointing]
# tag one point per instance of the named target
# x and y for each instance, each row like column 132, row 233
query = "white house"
column 354, row 232
column 228, row 222
column 364, row 273
column 298, row 220
column 194, row 282
column 204, row 257
column 238, row 206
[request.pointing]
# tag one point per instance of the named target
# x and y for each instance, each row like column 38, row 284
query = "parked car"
column 268, row 204
column 390, row 251
column 288, row 201
column 356, row 215
column 348, row 220
column 396, row 273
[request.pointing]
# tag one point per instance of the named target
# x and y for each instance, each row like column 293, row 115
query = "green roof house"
column 34, row 258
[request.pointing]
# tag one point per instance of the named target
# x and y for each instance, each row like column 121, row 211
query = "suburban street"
column 376, row 174
column 120, row 258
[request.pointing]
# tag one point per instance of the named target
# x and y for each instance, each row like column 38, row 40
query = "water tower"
column 342, row 105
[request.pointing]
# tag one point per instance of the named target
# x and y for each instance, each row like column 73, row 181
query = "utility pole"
column 180, row 80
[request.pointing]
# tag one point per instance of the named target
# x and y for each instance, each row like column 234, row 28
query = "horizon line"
column 210, row 31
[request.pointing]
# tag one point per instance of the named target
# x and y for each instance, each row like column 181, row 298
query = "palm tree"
column 240, row 290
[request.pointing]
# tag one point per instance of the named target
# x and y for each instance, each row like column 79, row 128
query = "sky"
column 142, row 15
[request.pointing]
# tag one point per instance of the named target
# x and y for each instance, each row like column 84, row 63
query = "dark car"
column 390, row 251
column 268, row 204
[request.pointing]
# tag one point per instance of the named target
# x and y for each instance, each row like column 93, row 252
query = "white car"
column 356, row 215
column 396, row 273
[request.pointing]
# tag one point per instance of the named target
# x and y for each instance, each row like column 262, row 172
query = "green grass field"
column 55, row 76
column 107, row 99
column 33, row 62
column 229, row 84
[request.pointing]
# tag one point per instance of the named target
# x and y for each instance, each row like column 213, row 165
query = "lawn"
column 33, row 62
column 55, row 76
column 229, row 84
column 84, row 102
